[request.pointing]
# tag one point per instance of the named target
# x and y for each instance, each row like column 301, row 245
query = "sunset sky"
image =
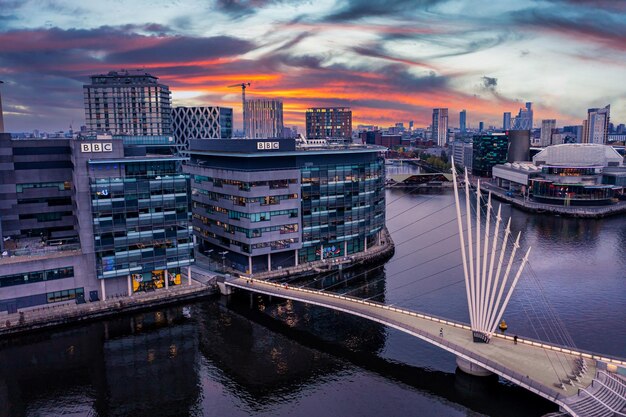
column 391, row 61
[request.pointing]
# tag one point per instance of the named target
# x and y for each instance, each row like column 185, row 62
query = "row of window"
column 250, row 233
column 62, row 185
column 46, row 217
column 253, row 217
column 243, row 201
column 246, row 185
column 65, row 295
column 36, row 276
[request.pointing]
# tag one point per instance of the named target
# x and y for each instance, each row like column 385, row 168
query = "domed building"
column 572, row 174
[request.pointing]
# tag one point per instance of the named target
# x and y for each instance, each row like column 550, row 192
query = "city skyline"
column 389, row 64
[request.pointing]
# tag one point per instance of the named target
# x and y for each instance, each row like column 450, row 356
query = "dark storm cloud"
column 489, row 82
column 597, row 25
column 184, row 49
column 359, row 9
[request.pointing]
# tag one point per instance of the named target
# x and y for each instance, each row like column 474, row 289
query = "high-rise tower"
column 463, row 120
column 440, row 126
column 264, row 118
column 597, row 129
column 128, row 103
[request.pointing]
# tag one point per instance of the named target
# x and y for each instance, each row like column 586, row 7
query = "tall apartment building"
column 127, row 103
column 201, row 123
column 597, row 126
column 463, row 120
column 547, row 128
column 524, row 119
column 329, row 123
column 264, row 118
column 506, row 121
column 440, row 126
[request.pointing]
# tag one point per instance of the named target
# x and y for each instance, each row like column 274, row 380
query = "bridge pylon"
column 488, row 269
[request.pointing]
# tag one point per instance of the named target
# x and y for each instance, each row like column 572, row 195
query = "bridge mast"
column 484, row 290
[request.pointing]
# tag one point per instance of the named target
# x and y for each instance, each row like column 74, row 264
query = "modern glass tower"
column 440, row 126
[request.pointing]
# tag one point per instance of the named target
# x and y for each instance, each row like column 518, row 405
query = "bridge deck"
column 533, row 367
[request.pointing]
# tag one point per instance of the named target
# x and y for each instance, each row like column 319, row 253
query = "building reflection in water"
column 126, row 366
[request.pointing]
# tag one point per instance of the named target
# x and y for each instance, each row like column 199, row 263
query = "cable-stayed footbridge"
column 582, row 383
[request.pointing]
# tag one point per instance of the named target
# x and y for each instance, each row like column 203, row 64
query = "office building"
column 91, row 217
column 329, row 123
column 265, row 204
column 489, row 150
column 506, row 121
column 519, row 146
column 463, row 153
column 463, row 121
column 524, row 119
column 547, row 128
column 127, row 103
column 200, row 123
column 576, row 131
column 597, row 126
column 264, row 118
column 481, row 126
column 440, row 126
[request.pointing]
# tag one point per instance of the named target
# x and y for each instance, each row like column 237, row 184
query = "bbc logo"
column 96, row 147
column 267, row 145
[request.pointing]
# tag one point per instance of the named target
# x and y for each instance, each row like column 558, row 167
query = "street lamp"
column 223, row 260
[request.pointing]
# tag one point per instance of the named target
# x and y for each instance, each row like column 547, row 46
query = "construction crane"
column 243, row 103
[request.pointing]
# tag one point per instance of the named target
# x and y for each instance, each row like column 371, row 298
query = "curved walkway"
column 539, row 367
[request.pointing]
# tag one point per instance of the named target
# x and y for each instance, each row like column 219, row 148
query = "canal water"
column 261, row 357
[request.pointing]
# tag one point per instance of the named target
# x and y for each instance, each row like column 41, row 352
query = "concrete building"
column 576, row 131
column 440, row 126
column 506, row 121
column 265, row 204
column 463, row 121
column 596, row 129
column 264, row 118
column 329, row 123
column 127, row 103
column 519, row 146
column 547, row 128
column 463, row 153
column 201, row 123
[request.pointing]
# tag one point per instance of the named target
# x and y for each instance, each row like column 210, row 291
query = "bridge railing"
column 526, row 341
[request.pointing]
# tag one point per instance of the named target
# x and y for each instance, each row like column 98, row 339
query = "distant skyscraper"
column 440, row 126
column 524, row 119
column 128, row 103
column 481, row 126
column 265, row 118
column 411, row 125
column 201, row 123
column 463, row 120
column 329, row 122
column 547, row 126
column 597, row 125
column 506, row 121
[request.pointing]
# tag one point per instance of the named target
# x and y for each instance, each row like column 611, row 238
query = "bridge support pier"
column 471, row 368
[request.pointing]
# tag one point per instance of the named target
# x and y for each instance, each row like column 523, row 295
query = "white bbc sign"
column 267, row 145
column 96, row 147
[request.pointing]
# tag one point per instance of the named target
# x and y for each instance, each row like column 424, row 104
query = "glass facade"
column 342, row 205
column 142, row 222
column 571, row 194
column 36, row 276
column 489, row 150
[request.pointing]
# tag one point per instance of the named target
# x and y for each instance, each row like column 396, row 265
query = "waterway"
column 231, row 357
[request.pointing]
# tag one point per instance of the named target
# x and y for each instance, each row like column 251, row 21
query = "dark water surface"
column 228, row 357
